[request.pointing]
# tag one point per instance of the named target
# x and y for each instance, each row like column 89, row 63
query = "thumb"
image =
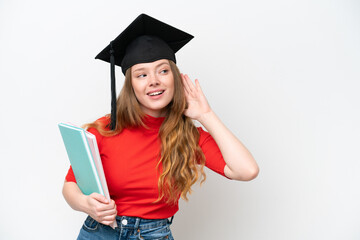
column 99, row 198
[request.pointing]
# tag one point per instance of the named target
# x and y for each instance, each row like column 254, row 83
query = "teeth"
column 155, row 93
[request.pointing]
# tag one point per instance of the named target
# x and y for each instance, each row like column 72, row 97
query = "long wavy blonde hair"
column 181, row 157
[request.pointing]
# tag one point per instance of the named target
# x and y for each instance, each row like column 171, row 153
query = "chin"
column 154, row 110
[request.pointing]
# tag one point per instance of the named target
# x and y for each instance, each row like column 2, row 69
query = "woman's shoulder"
column 104, row 120
column 202, row 131
column 100, row 124
column 204, row 135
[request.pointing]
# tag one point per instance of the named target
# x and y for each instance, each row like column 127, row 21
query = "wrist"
column 84, row 204
column 205, row 117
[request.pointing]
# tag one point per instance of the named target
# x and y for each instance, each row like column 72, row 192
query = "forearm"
column 238, row 159
column 74, row 197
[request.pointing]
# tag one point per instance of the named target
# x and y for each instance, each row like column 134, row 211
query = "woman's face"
column 153, row 84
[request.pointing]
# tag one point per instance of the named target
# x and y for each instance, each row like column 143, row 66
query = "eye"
column 164, row 71
column 141, row 76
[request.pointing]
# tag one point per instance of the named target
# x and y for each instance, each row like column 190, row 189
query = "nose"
column 153, row 80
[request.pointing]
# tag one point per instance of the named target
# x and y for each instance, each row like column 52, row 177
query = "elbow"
column 248, row 174
column 252, row 174
column 64, row 190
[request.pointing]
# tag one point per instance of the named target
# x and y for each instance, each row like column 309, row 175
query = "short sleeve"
column 70, row 177
column 213, row 156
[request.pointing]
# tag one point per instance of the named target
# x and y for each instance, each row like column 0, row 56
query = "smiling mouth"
column 156, row 93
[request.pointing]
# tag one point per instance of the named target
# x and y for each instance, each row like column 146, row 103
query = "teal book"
column 84, row 156
column 83, row 153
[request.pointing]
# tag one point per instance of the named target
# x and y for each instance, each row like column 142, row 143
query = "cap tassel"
column 113, row 88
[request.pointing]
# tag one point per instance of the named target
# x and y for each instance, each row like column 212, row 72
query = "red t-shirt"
column 129, row 160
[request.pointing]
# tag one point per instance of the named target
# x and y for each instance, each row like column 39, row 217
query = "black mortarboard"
column 145, row 40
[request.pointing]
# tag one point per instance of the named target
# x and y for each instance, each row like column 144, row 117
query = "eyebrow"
column 159, row 65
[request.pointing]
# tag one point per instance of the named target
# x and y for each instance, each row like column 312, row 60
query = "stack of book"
column 85, row 160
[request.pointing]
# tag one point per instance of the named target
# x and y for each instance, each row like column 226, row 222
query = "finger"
column 107, row 222
column 188, row 95
column 106, row 207
column 111, row 216
column 190, row 83
column 185, row 89
column 104, row 215
column 107, row 214
column 186, row 86
column 197, row 84
column 101, row 209
column 187, row 83
column 100, row 198
column 198, row 87
column 113, row 203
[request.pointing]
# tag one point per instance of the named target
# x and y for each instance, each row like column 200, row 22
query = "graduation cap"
column 145, row 40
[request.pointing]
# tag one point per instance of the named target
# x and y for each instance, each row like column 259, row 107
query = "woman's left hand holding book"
column 95, row 205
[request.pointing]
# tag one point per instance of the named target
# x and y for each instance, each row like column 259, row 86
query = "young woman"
column 151, row 151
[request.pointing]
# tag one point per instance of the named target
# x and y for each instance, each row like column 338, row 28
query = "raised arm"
column 240, row 164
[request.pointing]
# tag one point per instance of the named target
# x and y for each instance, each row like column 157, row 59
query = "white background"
column 282, row 75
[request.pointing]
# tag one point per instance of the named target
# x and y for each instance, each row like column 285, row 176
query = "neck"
column 155, row 113
column 153, row 122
